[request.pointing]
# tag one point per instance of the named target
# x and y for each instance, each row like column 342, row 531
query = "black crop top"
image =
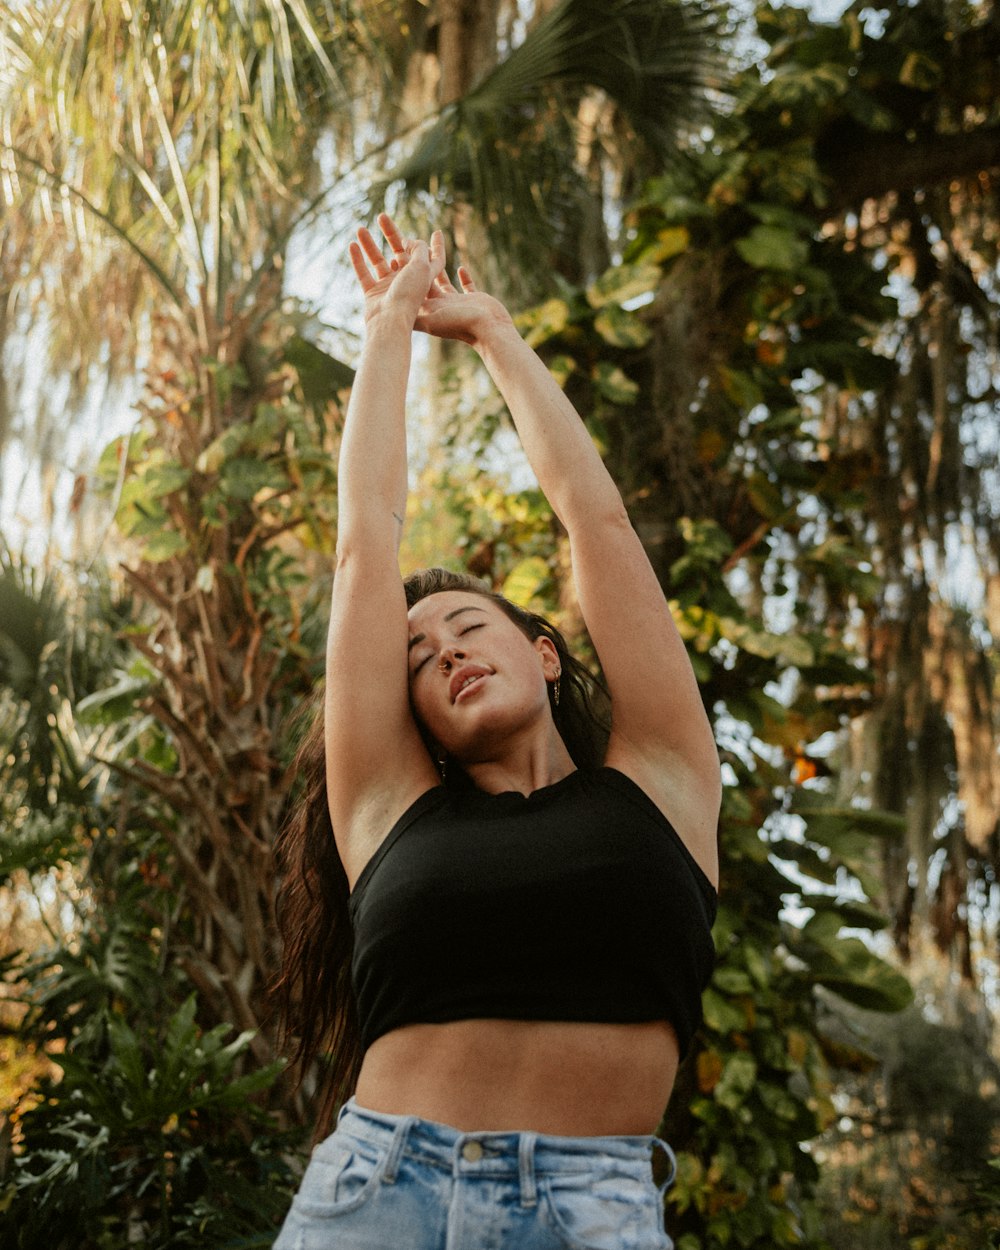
column 577, row 902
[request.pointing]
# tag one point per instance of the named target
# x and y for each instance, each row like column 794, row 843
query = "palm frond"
column 658, row 61
column 171, row 122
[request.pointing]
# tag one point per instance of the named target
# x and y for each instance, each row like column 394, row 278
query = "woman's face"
column 475, row 678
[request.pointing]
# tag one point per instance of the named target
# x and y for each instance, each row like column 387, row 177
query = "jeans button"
column 472, row 1151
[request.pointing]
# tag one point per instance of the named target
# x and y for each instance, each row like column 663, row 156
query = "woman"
column 529, row 936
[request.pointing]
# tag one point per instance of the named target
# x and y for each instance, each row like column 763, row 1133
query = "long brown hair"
column 315, row 995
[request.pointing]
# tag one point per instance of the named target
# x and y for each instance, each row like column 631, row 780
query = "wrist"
column 493, row 331
column 388, row 319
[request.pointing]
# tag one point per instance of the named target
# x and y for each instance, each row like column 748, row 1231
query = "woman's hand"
column 402, row 283
column 467, row 314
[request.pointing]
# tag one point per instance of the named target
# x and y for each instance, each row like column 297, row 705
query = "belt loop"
column 396, row 1149
column 526, row 1168
column 665, row 1185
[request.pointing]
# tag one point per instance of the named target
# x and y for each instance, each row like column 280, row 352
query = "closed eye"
column 468, row 628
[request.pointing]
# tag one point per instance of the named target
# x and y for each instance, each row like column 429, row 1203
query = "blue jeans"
column 393, row 1182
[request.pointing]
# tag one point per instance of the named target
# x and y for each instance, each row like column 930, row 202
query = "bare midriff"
column 563, row 1078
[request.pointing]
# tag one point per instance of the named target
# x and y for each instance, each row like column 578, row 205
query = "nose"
column 449, row 655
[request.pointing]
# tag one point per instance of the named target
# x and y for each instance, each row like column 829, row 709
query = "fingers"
column 391, row 231
column 360, row 268
column 372, row 251
column 366, row 252
column 437, row 250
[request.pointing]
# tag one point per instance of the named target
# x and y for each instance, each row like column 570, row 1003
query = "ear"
column 551, row 664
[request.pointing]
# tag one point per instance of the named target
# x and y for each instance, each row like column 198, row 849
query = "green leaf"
column 321, row 376
column 732, row 981
column 242, row 477
column 858, row 975
column 756, row 963
column 525, row 580
column 779, row 1102
column 792, row 648
column 851, row 913
column 780, row 215
column 765, row 495
column 737, row 1080
column 868, row 111
column 623, row 282
column 621, row 328
column 822, row 927
column 740, row 388
column 105, row 707
column 232, row 440
column 164, row 546
column 164, row 479
column 828, row 824
column 614, row 384
column 813, row 86
column 544, row 322
column 808, row 859
column 561, row 367
column 670, row 242
column 772, row 247
column 720, row 1014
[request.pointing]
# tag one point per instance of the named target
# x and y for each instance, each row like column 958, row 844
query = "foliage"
column 787, row 382
column 149, row 1134
column 499, row 145
column 734, row 367
column 910, row 1155
column 139, row 1121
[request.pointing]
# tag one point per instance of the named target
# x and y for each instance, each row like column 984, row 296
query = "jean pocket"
column 343, row 1173
column 617, row 1210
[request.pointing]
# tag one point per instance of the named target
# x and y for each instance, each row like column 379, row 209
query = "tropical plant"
column 795, row 437
column 770, row 411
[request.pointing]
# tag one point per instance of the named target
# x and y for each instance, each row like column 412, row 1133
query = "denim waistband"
column 496, row 1153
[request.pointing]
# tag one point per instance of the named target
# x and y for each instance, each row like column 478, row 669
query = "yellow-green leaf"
column 164, row 546
column 525, row 580
column 670, row 241
column 615, row 384
column 621, row 283
column 772, row 247
column 621, row 328
column 543, row 322
column 561, row 367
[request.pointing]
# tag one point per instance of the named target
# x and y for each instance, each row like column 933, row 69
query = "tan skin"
column 479, row 687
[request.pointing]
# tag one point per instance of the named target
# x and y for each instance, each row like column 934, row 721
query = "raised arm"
column 661, row 736
column 375, row 759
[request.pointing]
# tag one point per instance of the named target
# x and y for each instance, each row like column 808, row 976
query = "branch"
column 861, row 166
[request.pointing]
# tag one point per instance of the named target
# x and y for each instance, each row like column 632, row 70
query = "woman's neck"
column 523, row 766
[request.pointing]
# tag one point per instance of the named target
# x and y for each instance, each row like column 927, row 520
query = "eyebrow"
column 449, row 617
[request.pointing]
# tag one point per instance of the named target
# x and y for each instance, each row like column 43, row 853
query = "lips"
column 468, row 673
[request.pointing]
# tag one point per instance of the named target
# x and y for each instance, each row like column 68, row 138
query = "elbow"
column 604, row 514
